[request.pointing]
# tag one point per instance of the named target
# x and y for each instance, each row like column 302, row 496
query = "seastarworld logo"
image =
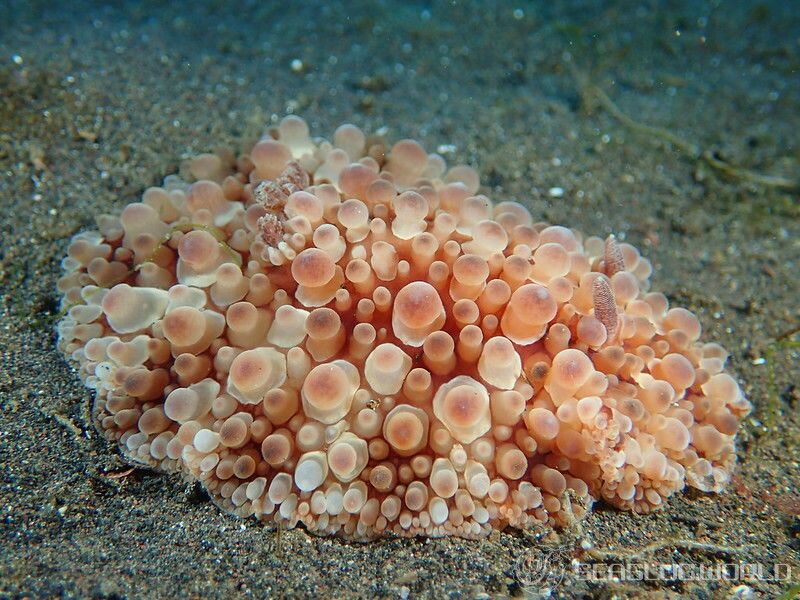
column 541, row 571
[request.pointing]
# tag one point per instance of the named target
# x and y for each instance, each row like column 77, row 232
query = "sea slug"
column 349, row 336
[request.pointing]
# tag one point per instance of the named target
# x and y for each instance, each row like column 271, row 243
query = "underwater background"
column 551, row 103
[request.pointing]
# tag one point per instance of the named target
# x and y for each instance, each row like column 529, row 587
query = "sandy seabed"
column 97, row 104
